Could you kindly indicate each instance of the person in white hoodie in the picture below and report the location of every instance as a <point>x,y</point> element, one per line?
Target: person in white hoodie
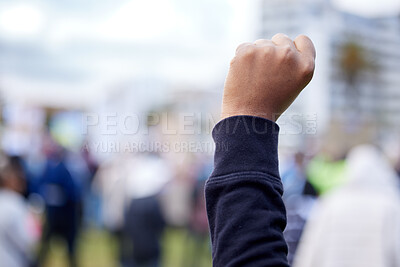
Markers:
<point>358,224</point>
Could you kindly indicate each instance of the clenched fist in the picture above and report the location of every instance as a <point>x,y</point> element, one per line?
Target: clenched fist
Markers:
<point>266,76</point>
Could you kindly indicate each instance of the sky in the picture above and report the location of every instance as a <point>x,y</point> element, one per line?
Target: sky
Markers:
<point>70,50</point>
<point>78,46</point>
<point>370,8</point>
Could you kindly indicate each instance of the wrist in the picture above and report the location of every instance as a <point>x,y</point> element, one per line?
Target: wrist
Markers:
<point>246,143</point>
<point>272,116</point>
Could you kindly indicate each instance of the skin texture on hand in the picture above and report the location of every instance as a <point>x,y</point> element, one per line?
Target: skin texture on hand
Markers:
<point>266,76</point>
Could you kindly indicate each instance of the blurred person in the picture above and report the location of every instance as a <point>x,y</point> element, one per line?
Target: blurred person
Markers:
<point>109,183</point>
<point>17,224</point>
<point>198,221</point>
<point>177,195</point>
<point>358,224</point>
<point>397,167</point>
<point>244,193</point>
<point>298,210</point>
<point>198,241</point>
<point>325,172</point>
<point>91,199</point>
<point>299,197</point>
<point>60,193</point>
<point>294,178</point>
<point>78,167</point>
<point>34,164</point>
<point>144,219</point>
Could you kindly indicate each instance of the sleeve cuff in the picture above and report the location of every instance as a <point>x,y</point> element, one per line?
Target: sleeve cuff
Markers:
<point>246,143</point>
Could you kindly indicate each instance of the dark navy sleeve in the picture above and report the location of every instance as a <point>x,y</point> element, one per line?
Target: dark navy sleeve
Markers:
<point>244,195</point>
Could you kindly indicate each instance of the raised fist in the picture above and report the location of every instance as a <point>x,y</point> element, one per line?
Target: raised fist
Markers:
<point>266,76</point>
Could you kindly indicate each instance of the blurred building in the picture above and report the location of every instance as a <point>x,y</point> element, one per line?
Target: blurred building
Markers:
<point>356,81</point>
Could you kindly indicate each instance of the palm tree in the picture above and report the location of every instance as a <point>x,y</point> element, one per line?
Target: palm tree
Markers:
<point>353,62</point>
<point>356,68</point>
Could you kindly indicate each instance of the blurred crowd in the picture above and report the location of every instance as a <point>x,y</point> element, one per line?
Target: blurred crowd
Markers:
<point>342,210</point>
<point>56,192</point>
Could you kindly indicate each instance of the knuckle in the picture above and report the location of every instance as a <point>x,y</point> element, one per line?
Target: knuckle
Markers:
<point>247,52</point>
<point>233,61</point>
<point>242,46</point>
<point>303,37</point>
<point>280,35</point>
<point>308,67</point>
<point>286,52</point>
<point>262,42</point>
<point>267,50</point>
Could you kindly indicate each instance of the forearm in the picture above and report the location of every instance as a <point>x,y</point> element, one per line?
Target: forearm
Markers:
<point>245,210</point>
<point>244,204</point>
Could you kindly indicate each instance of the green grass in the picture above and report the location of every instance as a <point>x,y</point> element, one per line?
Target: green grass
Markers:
<point>99,249</point>
<point>180,250</point>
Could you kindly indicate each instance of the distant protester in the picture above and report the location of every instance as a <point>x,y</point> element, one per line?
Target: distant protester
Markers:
<point>61,197</point>
<point>299,198</point>
<point>359,224</point>
<point>17,228</point>
<point>144,220</point>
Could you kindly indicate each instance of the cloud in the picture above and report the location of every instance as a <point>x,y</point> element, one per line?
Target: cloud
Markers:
<point>370,8</point>
<point>141,20</point>
<point>22,20</point>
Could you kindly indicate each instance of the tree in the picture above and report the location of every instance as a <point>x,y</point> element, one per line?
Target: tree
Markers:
<point>353,62</point>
